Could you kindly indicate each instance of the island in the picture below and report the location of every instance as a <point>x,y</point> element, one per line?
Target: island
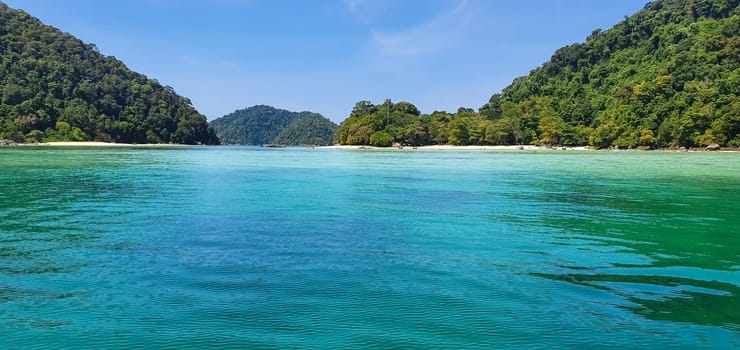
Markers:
<point>267,125</point>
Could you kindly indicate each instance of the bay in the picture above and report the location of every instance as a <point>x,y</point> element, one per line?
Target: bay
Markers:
<point>239,247</point>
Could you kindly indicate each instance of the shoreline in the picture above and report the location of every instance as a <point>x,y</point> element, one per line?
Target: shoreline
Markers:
<point>530,148</point>
<point>461,148</point>
<point>515,148</point>
<point>93,144</point>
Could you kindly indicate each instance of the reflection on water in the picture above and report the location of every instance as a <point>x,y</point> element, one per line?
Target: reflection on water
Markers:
<point>668,298</point>
<point>672,240</point>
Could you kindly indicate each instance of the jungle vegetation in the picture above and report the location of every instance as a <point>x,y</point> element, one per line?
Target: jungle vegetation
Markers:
<point>261,124</point>
<point>54,87</point>
<point>668,76</point>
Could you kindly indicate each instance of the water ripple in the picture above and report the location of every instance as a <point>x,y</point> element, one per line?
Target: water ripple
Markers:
<point>298,248</point>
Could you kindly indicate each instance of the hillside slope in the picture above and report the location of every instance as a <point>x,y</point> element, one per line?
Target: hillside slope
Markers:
<point>262,124</point>
<point>55,87</point>
<point>308,129</point>
<point>667,76</point>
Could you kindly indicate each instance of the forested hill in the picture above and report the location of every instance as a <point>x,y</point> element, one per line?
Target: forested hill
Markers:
<point>55,87</point>
<point>261,124</point>
<point>307,129</point>
<point>666,76</point>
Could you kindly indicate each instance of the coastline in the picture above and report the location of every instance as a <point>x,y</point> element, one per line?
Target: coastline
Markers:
<point>512,148</point>
<point>461,148</point>
<point>92,144</point>
<point>529,148</point>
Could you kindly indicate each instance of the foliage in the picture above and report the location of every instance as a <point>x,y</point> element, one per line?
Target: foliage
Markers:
<point>381,139</point>
<point>667,76</point>
<point>48,77</point>
<point>309,129</point>
<point>389,123</point>
<point>261,124</point>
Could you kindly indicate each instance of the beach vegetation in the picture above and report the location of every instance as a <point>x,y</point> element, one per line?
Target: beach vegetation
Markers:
<point>668,76</point>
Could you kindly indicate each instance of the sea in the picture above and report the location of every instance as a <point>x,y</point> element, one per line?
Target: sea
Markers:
<point>301,248</point>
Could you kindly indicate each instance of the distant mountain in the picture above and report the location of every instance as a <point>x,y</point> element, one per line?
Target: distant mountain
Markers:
<point>55,87</point>
<point>262,124</point>
<point>308,129</point>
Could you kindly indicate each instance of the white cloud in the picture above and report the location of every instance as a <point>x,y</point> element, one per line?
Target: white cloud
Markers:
<point>365,11</point>
<point>353,5</point>
<point>439,33</point>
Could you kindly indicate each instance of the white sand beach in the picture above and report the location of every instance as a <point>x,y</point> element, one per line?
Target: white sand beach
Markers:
<point>462,148</point>
<point>95,144</point>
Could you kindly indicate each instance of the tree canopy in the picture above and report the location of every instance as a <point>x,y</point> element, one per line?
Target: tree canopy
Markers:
<point>389,123</point>
<point>55,87</point>
<point>262,124</point>
<point>667,76</point>
<point>307,129</point>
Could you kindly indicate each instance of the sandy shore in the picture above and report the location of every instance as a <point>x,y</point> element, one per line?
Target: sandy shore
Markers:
<point>94,144</point>
<point>462,148</point>
<point>520,148</point>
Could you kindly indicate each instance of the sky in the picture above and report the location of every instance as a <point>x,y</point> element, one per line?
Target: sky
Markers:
<point>325,55</point>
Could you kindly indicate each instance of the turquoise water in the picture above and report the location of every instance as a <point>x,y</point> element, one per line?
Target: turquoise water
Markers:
<point>315,248</point>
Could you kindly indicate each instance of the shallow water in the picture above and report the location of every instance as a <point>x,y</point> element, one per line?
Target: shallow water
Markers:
<point>316,248</point>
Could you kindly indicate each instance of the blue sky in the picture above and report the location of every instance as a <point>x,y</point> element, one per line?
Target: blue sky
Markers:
<point>325,55</point>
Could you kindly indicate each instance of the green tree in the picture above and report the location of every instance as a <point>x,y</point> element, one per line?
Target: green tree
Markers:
<point>647,138</point>
<point>551,128</point>
<point>381,139</point>
<point>35,136</point>
<point>401,122</point>
<point>707,138</point>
